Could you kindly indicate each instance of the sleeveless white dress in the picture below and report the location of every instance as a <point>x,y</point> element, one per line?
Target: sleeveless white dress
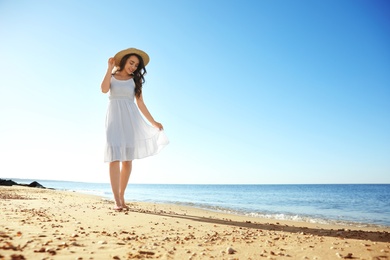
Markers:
<point>129,136</point>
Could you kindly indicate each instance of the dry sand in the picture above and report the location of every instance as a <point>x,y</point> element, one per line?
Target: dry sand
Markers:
<point>49,224</point>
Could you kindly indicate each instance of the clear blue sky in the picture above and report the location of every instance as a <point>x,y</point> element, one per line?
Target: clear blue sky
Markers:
<point>248,91</point>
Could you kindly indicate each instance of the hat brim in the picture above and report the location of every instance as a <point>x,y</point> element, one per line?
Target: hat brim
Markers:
<point>118,57</point>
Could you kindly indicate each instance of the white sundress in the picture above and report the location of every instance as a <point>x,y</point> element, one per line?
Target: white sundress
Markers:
<point>128,135</point>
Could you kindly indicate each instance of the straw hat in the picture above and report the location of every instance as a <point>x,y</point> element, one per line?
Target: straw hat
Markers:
<point>118,57</point>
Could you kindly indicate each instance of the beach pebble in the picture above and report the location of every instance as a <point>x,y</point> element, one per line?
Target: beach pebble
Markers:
<point>41,250</point>
<point>63,244</point>
<point>16,257</point>
<point>144,252</point>
<point>102,242</point>
<point>51,251</point>
<point>230,250</point>
<point>47,242</point>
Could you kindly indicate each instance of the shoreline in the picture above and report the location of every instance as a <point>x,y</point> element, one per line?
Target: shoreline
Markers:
<point>259,215</point>
<point>337,218</point>
<point>62,224</point>
<point>294,219</point>
<point>343,216</point>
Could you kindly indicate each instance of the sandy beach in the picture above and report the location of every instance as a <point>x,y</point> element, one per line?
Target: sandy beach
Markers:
<point>51,224</point>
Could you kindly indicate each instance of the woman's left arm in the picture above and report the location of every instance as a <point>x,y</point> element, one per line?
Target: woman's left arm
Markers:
<point>142,107</point>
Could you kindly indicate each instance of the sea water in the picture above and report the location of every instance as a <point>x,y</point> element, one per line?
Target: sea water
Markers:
<point>345,204</point>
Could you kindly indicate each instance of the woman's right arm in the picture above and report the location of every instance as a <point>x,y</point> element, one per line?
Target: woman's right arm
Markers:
<point>107,78</point>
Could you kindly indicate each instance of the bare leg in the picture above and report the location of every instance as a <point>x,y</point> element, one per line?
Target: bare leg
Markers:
<point>124,179</point>
<point>115,182</point>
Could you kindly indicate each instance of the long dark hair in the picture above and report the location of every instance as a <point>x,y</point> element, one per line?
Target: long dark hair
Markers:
<point>138,74</point>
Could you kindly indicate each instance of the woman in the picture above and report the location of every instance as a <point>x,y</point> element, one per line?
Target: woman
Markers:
<point>128,135</point>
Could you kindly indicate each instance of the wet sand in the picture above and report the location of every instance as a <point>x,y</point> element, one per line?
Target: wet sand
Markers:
<point>50,224</point>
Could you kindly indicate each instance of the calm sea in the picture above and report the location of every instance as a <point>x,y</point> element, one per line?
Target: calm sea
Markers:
<point>346,204</point>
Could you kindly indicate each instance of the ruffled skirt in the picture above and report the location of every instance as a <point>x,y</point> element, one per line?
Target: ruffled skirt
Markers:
<point>128,135</point>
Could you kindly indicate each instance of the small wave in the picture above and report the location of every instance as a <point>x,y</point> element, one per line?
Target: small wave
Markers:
<point>280,216</point>
<point>310,219</point>
<point>276,216</point>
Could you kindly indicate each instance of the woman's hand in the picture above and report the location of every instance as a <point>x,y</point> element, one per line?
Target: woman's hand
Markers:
<point>106,83</point>
<point>111,63</point>
<point>158,125</point>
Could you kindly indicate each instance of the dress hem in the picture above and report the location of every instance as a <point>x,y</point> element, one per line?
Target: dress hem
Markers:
<point>136,158</point>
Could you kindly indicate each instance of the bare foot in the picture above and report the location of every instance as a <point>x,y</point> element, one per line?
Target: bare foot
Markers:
<point>123,204</point>
<point>117,208</point>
